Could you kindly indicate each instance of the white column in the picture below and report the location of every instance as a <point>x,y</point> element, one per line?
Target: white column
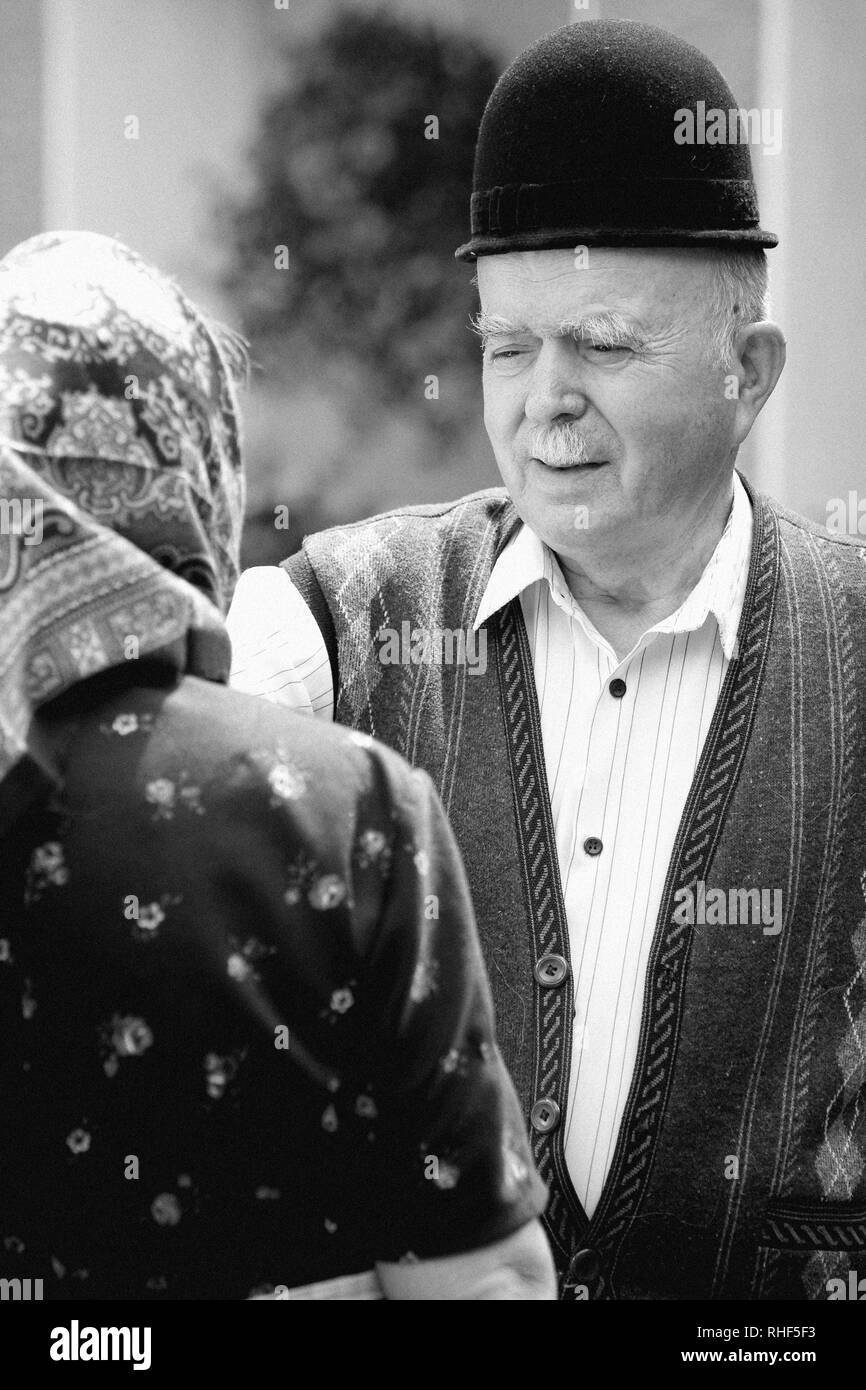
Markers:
<point>20,106</point>
<point>61,20</point>
<point>813,193</point>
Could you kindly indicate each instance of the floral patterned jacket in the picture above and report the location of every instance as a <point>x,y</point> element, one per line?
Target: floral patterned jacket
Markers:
<point>246,1034</point>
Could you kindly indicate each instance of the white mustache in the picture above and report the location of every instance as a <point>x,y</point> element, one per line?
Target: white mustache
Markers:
<point>560,446</point>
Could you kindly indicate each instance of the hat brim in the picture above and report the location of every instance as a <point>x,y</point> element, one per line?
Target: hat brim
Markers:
<point>572,237</point>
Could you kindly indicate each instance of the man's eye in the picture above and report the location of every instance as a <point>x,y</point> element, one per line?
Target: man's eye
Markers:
<point>608,347</point>
<point>505,356</point>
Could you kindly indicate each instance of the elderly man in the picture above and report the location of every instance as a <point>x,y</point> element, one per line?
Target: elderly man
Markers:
<point>653,776</point>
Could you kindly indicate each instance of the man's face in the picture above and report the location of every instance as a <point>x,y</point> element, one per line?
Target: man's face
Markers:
<point>607,419</point>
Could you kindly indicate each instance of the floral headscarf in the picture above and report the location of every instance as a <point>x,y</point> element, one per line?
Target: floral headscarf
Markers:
<point>121,490</point>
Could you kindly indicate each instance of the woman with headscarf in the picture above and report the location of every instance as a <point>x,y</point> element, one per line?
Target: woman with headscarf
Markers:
<point>245,1037</point>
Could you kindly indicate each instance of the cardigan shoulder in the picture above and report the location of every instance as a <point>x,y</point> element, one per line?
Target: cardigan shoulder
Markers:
<point>811,548</point>
<point>411,534</point>
<point>491,501</point>
<point>410,558</point>
<point>794,523</point>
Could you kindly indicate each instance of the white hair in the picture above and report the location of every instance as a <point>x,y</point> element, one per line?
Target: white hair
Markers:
<point>739,295</point>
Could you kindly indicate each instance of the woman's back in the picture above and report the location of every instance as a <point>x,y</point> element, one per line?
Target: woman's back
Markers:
<point>197,1048</point>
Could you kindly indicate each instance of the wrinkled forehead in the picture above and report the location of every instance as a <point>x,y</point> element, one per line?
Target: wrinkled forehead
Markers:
<point>69,279</point>
<point>649,284</point>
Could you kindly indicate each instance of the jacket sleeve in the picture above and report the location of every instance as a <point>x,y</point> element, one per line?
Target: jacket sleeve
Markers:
<point>458,1168</point>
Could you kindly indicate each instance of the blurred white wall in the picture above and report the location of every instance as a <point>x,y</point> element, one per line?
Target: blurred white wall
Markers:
<point>148,105</point>
<point>20,121</point>
<point>814,196</point>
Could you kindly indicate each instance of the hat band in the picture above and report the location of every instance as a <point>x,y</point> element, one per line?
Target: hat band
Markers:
<point>687,204</point>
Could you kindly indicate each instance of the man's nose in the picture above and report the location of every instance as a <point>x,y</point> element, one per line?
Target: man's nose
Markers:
<point>556,389</point>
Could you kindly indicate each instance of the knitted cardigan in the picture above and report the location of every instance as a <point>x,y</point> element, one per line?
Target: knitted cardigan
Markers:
<point>740,1167</point>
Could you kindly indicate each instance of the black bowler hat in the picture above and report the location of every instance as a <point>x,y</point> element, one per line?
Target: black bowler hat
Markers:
<point>577,146</point>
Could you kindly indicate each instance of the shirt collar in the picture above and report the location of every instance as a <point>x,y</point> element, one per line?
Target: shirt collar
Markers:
<point>720,591</point>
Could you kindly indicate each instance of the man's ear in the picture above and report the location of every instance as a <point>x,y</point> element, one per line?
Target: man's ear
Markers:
<point>759,350</point>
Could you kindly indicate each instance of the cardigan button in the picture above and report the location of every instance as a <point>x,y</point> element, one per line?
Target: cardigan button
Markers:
<point>551,970</point>
<point>584,1267</point>
<point>544,1116</point>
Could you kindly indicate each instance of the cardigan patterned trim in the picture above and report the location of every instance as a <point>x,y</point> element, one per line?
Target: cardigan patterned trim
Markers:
<point>540,870</point>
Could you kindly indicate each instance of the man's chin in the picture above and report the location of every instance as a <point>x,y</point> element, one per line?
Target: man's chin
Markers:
<point>566,523</point>
<point>563,504</point>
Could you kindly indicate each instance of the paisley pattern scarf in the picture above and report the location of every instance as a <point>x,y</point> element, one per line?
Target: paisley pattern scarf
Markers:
<point>121,488</point>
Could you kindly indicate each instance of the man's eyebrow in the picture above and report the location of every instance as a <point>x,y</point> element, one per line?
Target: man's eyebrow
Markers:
<point>494,325</point>
<point>608,328</point>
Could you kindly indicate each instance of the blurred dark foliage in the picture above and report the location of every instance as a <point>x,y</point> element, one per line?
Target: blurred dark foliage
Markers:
<point>371,212</point>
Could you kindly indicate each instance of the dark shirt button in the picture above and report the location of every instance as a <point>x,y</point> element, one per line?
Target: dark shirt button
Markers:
<point>551,970</point>
<point>584,1267</point>
<point>593,845</point>
<point>617,688</point>
<point>544,1116</point>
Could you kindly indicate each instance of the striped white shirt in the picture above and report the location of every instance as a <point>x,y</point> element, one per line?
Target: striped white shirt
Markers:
<point>277,648</point>
<point>621,739</point>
